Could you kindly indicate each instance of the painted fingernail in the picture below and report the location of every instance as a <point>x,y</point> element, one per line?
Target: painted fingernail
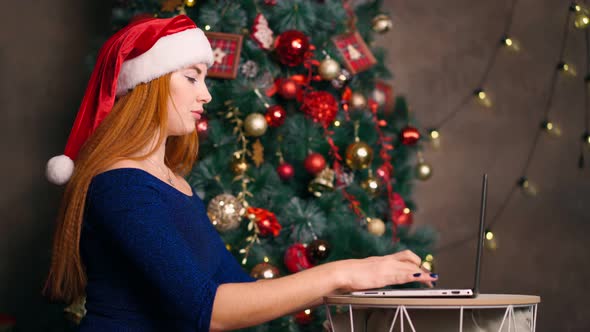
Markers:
<point>417,274</point>
<point>434,275</point>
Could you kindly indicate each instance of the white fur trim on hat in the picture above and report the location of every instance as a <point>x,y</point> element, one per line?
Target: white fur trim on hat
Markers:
<point>168,54</point>
<point>59,169</point>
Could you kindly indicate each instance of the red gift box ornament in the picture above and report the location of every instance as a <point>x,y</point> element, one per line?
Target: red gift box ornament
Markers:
<point>296,258</point>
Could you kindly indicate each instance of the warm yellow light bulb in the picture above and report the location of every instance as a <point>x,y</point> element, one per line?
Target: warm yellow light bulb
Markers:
<point>207,27</point>
<point>266,260</point>
<point>489,235</point>
<point>511,44</point>
<point>551,128</point>
<point>336,123</point>
<point>434,134</point>
<point>527,187</point>
<point>482,98</point>
<point>429,258</point>
<point>567,69</point>
<point>406,210</point>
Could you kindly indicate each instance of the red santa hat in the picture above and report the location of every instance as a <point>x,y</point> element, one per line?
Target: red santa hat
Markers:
<point>140,52</point>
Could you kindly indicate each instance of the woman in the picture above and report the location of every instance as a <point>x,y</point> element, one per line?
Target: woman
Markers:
<point>132,236</point>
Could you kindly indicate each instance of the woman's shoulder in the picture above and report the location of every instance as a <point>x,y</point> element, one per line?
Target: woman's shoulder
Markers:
<point>123,174</point>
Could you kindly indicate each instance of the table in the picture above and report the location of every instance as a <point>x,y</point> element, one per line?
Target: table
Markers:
<point>483,301</point>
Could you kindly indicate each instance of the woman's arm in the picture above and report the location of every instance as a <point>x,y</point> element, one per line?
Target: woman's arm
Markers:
<point>239,305</point>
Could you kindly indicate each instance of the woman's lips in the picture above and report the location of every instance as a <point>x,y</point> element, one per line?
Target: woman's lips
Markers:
<point>197,114</point>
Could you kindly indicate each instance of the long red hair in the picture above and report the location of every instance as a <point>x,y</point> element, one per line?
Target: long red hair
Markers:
<point>129,127</point>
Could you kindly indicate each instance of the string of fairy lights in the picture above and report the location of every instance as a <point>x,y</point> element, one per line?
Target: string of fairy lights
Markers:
<point>577,14</point>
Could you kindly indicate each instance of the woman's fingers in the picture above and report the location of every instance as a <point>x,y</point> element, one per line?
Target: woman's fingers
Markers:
<point>408,256</point>
<point>425,278</point>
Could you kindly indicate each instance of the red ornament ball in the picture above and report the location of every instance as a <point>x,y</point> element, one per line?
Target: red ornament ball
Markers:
<point>291,46</point>
<point>296,258</point>
<point>314,163</point>
<point>401,218</point>
<point>410,135</point>
<point>275,115</point>
<point>321,106</point>
<point>270,2</point>
<point>304,317</point>
<point>286,171</point>
<point>288,88</point>
<point>203,126</point>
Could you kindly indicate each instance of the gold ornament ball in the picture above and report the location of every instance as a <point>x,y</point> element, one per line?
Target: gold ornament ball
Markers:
<point>371,185</point>
<point>375,226</point>
<point>358,101</point>
<point>382,23</point>
<point>423,171</point>
<point>225,212</point>
<point>190,3</point>
<point>264,271</point>
<point>359,155</point>
<point>239,166</point>
<point>329,69</point>
<point>255,124</point>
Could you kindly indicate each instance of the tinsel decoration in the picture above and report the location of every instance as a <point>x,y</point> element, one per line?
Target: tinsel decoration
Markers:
<point>265,221</point>
<point>291,47</point>
<point>321,106</point>
<point>225,212</point>
<point>385,171</point>
<point>296,258</point>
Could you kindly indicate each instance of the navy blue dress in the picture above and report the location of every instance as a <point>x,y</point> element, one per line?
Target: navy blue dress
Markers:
<point>152,257</point>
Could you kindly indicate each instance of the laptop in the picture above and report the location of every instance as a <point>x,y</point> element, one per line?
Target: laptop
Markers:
<point>438,292</point>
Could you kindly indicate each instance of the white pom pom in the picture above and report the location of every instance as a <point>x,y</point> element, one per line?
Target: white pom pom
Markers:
<point>59,169</point>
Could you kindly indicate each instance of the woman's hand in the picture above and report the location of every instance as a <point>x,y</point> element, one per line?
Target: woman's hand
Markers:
<point>381,271</point>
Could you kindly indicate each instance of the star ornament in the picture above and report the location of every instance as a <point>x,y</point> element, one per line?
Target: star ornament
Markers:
<point>218,55</point>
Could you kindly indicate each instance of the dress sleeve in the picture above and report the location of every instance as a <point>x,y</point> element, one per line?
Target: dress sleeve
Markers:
<point>233,272</point>
<point>136,219</point>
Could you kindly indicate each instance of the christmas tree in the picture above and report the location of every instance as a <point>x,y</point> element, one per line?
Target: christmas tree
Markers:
<point>305,154</point>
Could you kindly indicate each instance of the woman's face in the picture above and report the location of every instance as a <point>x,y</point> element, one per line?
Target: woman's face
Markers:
<point>188,94</point>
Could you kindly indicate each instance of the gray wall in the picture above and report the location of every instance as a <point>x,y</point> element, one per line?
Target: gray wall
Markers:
<point>437,52</point>
<point>42,79</point>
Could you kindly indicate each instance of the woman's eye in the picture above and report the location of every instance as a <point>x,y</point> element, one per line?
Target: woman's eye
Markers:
<point>191,79</point>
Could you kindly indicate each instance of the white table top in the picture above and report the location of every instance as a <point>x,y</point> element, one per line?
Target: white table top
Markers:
<point>480,300</point>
